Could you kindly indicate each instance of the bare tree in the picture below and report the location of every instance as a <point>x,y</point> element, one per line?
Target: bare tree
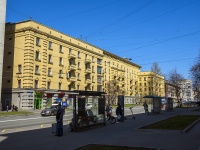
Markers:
<point>113,90</point>
<point>156,69</point>
<point>175,78</point>
<point>195,73</point>
<point>156,80</point>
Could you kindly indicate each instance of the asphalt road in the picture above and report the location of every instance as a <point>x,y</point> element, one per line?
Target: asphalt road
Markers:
<point>16,122</point>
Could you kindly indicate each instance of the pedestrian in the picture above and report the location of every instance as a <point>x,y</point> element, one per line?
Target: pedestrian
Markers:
<point>146,107</point>
<point>59,120</point>
<point>7,108</point>
<point>108,110</point>
<point>118,112</point>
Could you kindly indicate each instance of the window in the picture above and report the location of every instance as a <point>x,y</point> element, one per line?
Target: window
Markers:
<point>98,61</point>
<point>79,65</point>
<point>49,72</point>
<point>60,50</point>
<point>86,56</point>
<point>78,76</point>
<point>92,58</point>
<point>50,45</point>
<point>60,61</point>
<point>93,69</point>
<point>36,69</point>
<point>37,55</point>
<point>50,59</point>
<point>99,79</point>
<point>92,78</point>
<point>60,73</point>
<point>36,84</point>
<point>105,63</point>
<point>19,68</point>
<point>37,41</point>
<point>59,86</point>
<point>70,50</point>
<point>19,84</point>
<point>48,85</point>
<point>77,87</point>
<point>99,70</point>
<point>144,78</point>
<point>79,55</point>
<point>99,88</point>
<point>145,84</point>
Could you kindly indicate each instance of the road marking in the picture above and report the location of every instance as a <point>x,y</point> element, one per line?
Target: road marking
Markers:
<point>30,119</point>
<point>3,130</point>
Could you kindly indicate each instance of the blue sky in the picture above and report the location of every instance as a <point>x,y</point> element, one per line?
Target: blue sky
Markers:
<point>147,31</point>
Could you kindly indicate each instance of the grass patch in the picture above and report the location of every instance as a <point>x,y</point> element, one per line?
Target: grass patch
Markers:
<point>15,113</point>
<point>179,122</point>
<point>111,147</point>
<point>125,105</point>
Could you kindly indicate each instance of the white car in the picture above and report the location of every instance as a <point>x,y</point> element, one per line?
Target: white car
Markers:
<point>88,106</point>
<point>55,103</point>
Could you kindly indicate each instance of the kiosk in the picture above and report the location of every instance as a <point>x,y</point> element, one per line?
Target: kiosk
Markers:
<point>155,102</point>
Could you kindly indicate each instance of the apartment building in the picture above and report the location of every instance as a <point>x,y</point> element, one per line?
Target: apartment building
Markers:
<point>186,90</point>
<point>39,59</point>
<point>2,29</point>
<point>170,90</point>
<point>150,83</point>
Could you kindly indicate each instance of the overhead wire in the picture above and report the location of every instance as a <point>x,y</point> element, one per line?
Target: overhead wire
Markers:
<point>160,15</point>
<point>121,19</point>
<point>81,12</point>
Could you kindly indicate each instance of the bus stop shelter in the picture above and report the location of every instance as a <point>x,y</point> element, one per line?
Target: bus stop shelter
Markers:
<point>155,102</point>
<point>169,104</point>
<point>88,109</point>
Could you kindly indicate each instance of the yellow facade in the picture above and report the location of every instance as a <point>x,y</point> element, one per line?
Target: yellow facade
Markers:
<point>150,83</point>
<point>38,57</point>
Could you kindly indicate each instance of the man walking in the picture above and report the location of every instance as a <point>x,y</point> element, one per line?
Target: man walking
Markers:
<point>59,120</point>
<point>118,112</point>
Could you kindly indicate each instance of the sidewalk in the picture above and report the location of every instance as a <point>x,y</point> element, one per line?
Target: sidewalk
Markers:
<point>124,134</point>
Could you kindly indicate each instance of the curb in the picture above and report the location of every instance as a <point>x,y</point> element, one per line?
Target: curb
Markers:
<point>190,126</point>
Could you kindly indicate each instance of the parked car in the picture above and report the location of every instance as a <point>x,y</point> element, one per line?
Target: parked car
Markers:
<point>51,111</point>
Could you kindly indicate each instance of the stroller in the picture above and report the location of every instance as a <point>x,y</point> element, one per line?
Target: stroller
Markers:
<point>15,108</point>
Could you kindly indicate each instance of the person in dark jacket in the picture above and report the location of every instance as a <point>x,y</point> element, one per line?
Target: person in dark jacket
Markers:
<point>59,120</point>
<point>118,113</point>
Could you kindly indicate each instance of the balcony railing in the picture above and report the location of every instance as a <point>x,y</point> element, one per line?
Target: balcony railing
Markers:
<point>70,56</point>
<point>88,81</point>
<point>72,67</point>
<point>87,60</point>
<point>88,70</point>
<point>72,79</point>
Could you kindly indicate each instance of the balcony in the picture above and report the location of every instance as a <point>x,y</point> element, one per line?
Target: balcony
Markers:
<point>88,70</point>
<point>71,56</point>
<point>99,74</point>
<point>72,79</point>
<point>99,82</point>
<point>72,67</point>
<point>88,81</point>
<point>87,60</point>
